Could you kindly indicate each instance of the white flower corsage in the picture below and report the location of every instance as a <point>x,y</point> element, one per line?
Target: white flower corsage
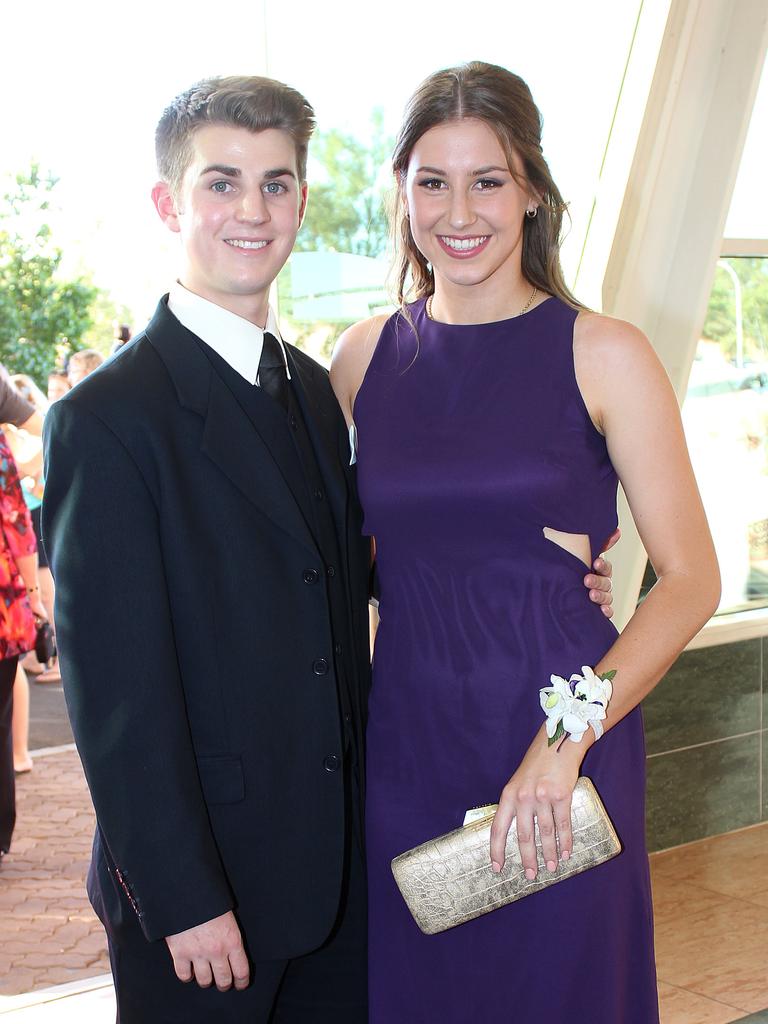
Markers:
<point>574,705</point>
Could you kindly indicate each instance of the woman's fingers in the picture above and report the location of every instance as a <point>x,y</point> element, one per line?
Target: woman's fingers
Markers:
<point>562,814</point>
<point>546,822</point>
<point>599,581</point>
<point>526,840</point>
<point>499,830</point>
<point>550,815</point>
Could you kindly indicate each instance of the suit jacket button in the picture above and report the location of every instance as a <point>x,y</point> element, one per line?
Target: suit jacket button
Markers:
<point>331,570</point>
<point>320,667</point>
<point>332,763</point>
<point>310,576</point>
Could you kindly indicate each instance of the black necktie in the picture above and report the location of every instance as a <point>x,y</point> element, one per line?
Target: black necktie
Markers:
<point>273,378</point>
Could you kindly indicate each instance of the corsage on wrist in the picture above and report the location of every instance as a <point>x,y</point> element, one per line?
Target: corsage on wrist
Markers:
<point>574,705</point>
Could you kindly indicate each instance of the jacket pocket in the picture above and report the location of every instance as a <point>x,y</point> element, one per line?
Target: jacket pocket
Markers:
<point>222,779</point>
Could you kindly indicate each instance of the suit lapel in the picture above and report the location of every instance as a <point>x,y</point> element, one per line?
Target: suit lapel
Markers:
<point>230,438</point>
<point>323,432</point>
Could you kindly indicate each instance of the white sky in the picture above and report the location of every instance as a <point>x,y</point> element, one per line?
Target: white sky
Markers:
<point>84,83</point>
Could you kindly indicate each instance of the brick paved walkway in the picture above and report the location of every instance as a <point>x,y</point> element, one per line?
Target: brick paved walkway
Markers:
<point>48,931</point>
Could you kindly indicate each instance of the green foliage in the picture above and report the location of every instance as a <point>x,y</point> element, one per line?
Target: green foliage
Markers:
<point>346,211</point>
<point>720,324</point>
<point>106,314</point>
<point>42,313</point>
<point>346,214</point>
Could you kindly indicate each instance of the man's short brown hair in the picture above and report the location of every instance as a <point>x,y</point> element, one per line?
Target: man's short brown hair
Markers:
<point>250,102</point>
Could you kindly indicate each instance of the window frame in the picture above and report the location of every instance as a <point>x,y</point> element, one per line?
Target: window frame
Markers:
<point>752,623</point>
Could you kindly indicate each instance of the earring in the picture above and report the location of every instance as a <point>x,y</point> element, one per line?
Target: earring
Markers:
<point>531,212</point>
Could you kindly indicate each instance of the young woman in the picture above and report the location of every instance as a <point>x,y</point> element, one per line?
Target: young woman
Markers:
<point>494,417</point>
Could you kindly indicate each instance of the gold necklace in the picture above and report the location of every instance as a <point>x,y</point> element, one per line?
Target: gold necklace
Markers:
<point>526,307</point>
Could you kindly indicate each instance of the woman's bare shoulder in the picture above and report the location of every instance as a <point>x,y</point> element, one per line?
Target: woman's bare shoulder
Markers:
<point>352,355</point>
<point>613,361</point>
<point>605,347</point>
<point>602,336</point>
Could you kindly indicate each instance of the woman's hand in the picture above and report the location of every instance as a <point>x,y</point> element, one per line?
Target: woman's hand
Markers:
<point>541,788</point>
<point>600,581</point>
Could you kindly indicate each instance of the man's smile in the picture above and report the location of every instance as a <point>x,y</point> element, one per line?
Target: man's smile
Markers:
<point>246,243</point>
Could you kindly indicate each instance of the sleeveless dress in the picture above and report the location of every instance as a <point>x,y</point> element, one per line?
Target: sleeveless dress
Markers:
<point>471,440</point>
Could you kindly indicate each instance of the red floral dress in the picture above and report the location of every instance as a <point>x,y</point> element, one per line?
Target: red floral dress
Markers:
<point>17,538</point>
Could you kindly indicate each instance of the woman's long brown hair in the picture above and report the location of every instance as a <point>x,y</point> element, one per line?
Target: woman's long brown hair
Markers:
<point>503,101</point>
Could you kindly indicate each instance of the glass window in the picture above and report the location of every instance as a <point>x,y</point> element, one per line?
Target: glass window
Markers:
<point>725,411</point>
<point>748,214</point>
<point>725,414</point>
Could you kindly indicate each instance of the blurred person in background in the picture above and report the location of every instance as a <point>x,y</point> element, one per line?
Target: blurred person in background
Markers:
<point>22,759</point>
<point>28,455</point>
<point>19,607</point>
<point>18,580</point>
<point>123,335</point>
<point>82,363</point>
<point>27,388</point>
<point>15,409</point>
<point>58,385</point>
<point>26,449</point>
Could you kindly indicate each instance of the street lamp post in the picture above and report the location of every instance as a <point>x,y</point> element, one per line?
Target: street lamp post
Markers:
<point>739,320</point>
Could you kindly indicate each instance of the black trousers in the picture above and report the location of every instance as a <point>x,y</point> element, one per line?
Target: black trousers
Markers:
<point>327,986</point>
<point>7,778</point>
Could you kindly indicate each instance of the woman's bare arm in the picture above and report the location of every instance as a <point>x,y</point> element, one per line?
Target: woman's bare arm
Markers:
<point>631,401</point>
<point>351,357</point>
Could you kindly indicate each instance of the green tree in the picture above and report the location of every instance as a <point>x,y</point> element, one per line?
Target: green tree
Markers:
<point>42,312</point>
<point>720,323</point>
<point>346,211</point>
<point>346,214</point>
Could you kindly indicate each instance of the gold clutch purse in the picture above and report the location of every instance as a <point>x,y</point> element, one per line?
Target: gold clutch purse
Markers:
<point>449,879</point>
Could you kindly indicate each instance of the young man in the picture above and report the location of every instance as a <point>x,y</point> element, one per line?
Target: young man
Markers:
<point>204,533</point>
<point>207,547</point>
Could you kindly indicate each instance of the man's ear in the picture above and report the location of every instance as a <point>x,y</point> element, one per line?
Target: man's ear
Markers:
<point>303,204</point>
<point>165,205</point>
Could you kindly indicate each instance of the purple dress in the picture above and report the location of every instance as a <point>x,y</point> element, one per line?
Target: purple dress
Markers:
<point>471,440</point>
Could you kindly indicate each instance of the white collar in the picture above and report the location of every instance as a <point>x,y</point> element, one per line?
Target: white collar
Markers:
<point>235,339</point>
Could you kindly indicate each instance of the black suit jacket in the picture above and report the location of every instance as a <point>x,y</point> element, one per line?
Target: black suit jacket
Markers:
<point>188,626</point>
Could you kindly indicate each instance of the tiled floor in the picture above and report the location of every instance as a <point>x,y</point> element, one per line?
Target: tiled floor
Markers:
<point>711,907</point>
<point>710,900</point>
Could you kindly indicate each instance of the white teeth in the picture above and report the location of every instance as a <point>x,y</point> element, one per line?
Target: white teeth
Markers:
<point>242,243</point>
<point>463,243</point>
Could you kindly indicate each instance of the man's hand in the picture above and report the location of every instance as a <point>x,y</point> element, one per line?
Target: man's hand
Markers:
<point>600,581</point>
<point>211,952</point>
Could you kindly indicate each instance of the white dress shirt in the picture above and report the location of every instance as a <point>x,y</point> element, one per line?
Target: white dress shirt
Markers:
<point>235,339</point>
